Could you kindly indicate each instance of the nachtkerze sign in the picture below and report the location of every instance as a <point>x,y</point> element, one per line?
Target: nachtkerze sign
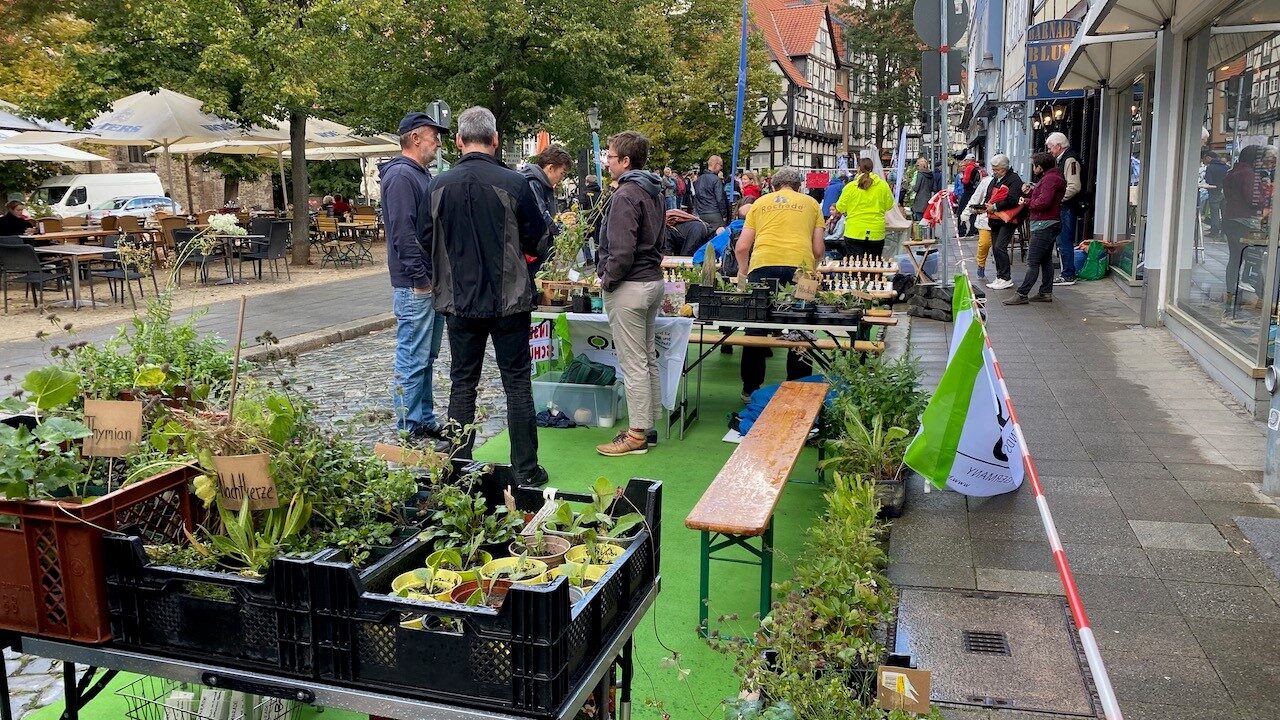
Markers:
<point>1047,46</point>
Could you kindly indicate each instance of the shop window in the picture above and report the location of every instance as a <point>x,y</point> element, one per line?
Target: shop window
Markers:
<point>1223,265</point>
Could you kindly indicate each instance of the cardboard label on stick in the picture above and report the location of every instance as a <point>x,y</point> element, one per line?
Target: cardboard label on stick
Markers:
<point>116,426</point>
<point>903,689</point>
<point>246,477</point>
<point>408,457</point>
<point>807,288</point>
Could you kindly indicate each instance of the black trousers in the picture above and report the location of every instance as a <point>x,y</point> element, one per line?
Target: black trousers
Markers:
<point>1001,236</point>
<point>858,248</point>
<point>1040,260</point>
<point>467,340</point>
<point>753,358</point>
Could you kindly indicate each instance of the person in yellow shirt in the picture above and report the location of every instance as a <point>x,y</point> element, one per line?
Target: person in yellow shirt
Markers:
<point>864,202</point>
<point>782,234</point>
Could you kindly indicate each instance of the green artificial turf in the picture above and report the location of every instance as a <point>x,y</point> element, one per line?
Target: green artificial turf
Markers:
<point>685,467</point>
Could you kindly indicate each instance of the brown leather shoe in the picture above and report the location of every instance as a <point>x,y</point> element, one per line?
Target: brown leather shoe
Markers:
<point>625,443</point>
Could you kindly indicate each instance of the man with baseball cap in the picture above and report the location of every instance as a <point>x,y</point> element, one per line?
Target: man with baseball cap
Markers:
<point>419,328</point>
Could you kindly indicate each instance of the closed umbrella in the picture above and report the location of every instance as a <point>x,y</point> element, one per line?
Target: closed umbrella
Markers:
<point>42,153</point>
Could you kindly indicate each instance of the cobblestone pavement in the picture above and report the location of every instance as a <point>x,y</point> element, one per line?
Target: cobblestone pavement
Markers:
<point>351,386</point>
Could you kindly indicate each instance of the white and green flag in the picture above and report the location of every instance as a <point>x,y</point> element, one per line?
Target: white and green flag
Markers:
<point>966,440</point>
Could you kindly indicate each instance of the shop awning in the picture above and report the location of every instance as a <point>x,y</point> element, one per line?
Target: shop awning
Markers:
<point>1229,43</point>
<point>1113,17</point>
<point>1094,60</point>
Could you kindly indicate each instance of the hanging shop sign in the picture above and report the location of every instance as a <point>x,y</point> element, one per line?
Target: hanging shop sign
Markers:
<point>1047,45</point>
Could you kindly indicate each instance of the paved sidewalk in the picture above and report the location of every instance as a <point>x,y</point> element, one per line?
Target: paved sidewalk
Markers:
<point>288,313</point>
<point>1145,463</point>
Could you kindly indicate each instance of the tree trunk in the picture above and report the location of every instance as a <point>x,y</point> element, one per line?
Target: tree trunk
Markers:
<point>301,188</point>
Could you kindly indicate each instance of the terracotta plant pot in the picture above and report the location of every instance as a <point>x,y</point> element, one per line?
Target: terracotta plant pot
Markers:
<point>495,590</point>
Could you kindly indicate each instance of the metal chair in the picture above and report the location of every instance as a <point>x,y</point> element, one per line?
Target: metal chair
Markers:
<point>22,260</point>
<point>183,238</point>
<point>271,249</point>
<point>124,273</point>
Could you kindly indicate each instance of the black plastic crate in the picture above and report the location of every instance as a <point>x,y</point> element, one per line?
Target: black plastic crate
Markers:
<point>222,617</point>
<point>524,657</point>
<point>752,306</point>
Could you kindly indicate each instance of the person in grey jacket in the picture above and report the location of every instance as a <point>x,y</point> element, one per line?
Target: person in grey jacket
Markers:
<point>709,199</point>
<point>922,188</point>
<point>630,271</point>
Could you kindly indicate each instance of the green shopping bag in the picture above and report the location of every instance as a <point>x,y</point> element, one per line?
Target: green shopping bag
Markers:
<point>1096,263</point>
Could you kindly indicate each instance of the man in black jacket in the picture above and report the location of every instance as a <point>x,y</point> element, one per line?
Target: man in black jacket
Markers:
<point>484,222</point>
<point>709,200</point>
<point>630,271</point>
<point>418,327</point>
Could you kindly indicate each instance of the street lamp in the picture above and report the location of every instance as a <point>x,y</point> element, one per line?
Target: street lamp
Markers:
<point>988,75</point>
<point>593,122</point>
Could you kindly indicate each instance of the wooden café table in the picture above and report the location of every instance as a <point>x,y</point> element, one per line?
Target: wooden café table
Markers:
<point>71,236</point>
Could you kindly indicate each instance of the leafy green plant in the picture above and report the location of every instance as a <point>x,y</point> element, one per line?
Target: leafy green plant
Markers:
<point>247,542</point>
<point>874,386</point>
<point>868,449</point>
<point>463,521</point>
<point>43,463</point>
<point>43,390</point>
<point>596,517</point>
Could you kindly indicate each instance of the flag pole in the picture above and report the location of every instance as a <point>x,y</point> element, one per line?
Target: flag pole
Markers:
<point>738,108</point>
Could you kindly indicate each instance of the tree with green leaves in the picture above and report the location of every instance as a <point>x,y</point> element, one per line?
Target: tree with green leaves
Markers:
<point>688,114</point>
<point>885,53</point>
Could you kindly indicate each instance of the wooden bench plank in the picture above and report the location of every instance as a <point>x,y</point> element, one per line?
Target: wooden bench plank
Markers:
<point>862,346</point>
<point>742,498</point>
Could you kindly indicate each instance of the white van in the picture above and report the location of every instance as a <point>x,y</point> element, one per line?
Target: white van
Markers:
<point>71,195</point>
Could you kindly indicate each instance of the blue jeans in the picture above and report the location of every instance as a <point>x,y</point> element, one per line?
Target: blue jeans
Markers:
<point>671,203</point>
<point>1067,242</point>
<point>419,331</point>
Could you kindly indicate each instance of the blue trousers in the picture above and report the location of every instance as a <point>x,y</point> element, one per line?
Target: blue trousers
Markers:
<point>419,332</point>
<point>1067,243</point>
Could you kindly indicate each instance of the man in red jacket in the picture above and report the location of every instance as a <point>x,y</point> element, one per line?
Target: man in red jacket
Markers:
<point>1045,204</point>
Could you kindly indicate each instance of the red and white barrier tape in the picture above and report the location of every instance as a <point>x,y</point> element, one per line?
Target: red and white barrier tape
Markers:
<point>1101,679</point>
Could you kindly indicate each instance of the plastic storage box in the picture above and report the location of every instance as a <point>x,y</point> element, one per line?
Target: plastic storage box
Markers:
<point>600,405</point>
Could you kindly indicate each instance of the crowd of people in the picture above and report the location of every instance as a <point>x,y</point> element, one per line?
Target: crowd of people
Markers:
<point>463,249</point>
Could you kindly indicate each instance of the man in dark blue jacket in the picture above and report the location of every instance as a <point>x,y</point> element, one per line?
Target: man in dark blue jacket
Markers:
<point>419,329</point>
<point>485,221</point>
<point>709,199</point>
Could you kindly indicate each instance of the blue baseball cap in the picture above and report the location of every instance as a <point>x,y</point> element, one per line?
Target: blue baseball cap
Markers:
<point>415,120</point>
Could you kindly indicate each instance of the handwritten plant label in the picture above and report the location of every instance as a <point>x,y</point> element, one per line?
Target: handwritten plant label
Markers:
<point>246,477</point>
<point>807,288</point>
<point>903,689</point>
<point>116,426</point>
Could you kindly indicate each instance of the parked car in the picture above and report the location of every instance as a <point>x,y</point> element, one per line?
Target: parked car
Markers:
<point>69,195</point>
<point>142,206</point>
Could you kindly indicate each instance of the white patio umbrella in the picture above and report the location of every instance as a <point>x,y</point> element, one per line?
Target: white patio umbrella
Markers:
<point>42,153</point>
<point>326,140</point>
<point>11,120</point>
<point>165,118</point>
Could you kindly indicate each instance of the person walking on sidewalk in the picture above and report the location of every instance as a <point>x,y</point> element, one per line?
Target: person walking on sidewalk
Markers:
<point>1215,175</point>
<point>782,234</point>
<point>1069,164</point>
<point>865,201</point>
<point>419,329</point>
<point>1002,195</point>
<point>709,200</point>
<point>1045,204</point>
<point>484,221</point>
<point>630,272</point>
<point>921,189</point>
<point>975,214</point>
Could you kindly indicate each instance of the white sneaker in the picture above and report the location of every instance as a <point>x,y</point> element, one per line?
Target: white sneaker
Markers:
<point>1000,284</point>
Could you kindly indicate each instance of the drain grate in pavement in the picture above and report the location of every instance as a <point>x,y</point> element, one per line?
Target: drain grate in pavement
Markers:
<point>1031,662</point>
<point>986,642</point>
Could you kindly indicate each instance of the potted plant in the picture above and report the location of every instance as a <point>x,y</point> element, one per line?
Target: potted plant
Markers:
<point>580,574</point>
<point>452,558</point>
<point>597,517</point>
<point>873,451</point>
<point>463,521</point>
<point>520,569</point>
<point>594,552</point>
<point>426,584</point>
<point>549,549</point>
<point>485,591</point>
